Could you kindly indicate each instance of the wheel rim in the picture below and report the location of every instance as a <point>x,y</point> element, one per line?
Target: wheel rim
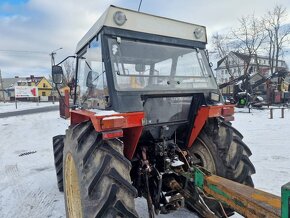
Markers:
<point>72,191</point>
<point>201,151</point>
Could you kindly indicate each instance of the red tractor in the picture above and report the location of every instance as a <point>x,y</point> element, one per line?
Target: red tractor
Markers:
<point>147,109</point>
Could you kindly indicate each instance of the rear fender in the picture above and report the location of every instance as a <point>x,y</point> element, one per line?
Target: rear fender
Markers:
<point>128,126</point>
<point>206,112</point>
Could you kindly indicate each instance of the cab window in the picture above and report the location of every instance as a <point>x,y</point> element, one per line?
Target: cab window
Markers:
<point>92,82</point>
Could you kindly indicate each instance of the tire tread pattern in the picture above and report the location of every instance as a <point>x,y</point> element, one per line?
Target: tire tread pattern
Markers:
<point>58,145</point>
<point>100,164</point>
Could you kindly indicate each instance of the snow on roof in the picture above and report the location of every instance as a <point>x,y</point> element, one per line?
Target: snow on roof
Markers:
<point>141,22</point>
<point>243,56</point>
<point>9,82</point>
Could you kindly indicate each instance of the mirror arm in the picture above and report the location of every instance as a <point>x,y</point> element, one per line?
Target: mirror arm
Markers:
<point>72,56</point>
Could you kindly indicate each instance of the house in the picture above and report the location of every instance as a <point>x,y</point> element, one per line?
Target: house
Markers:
<point>8,87</point>
<point>43,85</point>
<point>236,64</point>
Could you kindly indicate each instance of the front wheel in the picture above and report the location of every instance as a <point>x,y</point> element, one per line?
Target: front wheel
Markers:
<point>96,176</point>
<point>219,149</point>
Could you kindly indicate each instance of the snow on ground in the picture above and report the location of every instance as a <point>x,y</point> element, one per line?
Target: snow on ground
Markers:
<point>269,140</point>
<point>21,105</point>
<point>28,183</point>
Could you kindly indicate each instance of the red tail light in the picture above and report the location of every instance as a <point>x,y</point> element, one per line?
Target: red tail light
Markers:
<point>112,134</point>
<point>113,122</point>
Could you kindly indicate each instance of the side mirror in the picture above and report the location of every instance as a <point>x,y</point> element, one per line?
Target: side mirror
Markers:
<point>57,74</point>
<point>89,81</point>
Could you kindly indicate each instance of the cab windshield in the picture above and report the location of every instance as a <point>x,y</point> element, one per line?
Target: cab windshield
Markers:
<point>147,66</point>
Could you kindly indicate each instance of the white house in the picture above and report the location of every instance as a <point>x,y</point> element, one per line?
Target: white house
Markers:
<point>235,64</point>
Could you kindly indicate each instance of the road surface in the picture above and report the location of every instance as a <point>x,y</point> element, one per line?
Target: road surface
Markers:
<point>29,111</point>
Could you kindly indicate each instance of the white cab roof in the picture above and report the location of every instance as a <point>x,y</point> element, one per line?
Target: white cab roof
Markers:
<point>146,23</point>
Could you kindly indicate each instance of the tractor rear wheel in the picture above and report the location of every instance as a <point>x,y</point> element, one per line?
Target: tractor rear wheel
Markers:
<point>220,149</point>
<point>58,156</point>
<point>96,175</point>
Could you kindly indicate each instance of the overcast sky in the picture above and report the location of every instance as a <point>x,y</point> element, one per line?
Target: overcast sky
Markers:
<point>45,25</point>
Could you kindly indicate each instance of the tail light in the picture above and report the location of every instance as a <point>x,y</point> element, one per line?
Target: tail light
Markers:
<point>112,134</point>
<point>112,122</point>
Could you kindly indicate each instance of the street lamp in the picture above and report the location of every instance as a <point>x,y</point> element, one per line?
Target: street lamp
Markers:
<point>52,55</point>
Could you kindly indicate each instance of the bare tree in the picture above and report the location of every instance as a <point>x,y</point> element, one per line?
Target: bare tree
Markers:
<point>223,45</point>
<point>69,71</point>
<point>278,34</point>
<point>222,48</point>
<point>250,35</point>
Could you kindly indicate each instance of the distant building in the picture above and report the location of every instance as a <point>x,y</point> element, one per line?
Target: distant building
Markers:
<point>8,87</point>
<point>235,63</point>
<point>43,85</point>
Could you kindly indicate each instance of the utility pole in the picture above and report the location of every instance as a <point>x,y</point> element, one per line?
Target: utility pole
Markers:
<point>2,87</point>
<point>52,64</point>
<point>139,5</point>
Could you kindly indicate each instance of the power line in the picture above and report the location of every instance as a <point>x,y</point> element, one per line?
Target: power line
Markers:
<point>23,51</point>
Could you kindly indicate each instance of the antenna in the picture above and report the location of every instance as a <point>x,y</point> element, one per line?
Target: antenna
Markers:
<point>139,5</point>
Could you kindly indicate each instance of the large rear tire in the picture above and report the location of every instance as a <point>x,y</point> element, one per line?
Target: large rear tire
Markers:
<point>220,149</point>
<point>96,175</point>
<point>58,142</point>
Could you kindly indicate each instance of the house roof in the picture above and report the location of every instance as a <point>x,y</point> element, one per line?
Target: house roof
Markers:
<point>9,82</point>
<point>35,79</point>
<point>40,79</point>
<point>220,61</point>
<point>244,57</point>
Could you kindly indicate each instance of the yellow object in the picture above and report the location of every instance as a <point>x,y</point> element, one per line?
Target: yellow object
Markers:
<point>284,86</point>
<point>63,89</point>
<point>134,83</point>
<point>44,87</point>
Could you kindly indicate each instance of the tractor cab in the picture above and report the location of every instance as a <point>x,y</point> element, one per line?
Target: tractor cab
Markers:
<point>129,61</point>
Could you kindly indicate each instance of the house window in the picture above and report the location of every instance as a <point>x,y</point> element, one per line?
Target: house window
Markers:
<point>43,94</point>
<point>44,85</point>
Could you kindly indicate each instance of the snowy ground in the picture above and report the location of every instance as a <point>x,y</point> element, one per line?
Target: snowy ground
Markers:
<point>21,105</point>
<point>28,184</point>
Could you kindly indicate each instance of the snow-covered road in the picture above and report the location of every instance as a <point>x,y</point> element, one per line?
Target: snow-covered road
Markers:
<point>28,184</point>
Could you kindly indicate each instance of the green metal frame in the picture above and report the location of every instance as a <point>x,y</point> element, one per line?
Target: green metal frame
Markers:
<point>285,193</point>
<point>245,200</point>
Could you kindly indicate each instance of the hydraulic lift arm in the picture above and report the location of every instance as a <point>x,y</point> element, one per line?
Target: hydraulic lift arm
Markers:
<point>247,201</point>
